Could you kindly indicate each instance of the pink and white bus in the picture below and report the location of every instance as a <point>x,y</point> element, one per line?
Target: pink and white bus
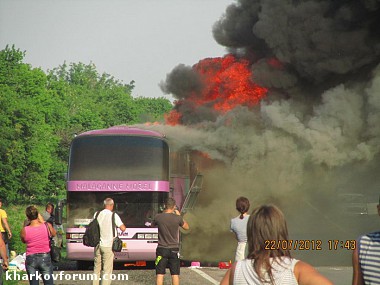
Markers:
<point>132,166</point>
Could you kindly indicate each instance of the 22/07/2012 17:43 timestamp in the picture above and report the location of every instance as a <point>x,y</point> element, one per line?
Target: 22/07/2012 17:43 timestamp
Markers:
<point>308,244</point>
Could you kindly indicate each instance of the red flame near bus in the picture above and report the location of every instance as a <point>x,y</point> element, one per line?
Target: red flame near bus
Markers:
<point>227,84</point>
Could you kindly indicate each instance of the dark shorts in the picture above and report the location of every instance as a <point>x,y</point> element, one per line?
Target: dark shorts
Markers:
<point>4,235</point>
<point>167,257</point>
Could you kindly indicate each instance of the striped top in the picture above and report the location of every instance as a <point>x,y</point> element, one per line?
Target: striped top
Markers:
<point>283,272</point>
<point>369,257</point>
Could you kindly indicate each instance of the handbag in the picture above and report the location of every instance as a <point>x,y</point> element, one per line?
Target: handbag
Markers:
<point>55,252</point>
<point>117,244</point>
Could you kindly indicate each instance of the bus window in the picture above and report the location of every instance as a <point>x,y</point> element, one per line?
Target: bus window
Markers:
<point>119,158</point>
<point>134,208</point>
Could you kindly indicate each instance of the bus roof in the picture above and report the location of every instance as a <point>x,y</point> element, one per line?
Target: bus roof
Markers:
<point>123,130</point>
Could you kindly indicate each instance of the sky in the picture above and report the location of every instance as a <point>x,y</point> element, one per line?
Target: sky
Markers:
<point>131,40</point>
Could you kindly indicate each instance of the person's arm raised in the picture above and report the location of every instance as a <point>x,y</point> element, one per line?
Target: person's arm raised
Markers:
<point>185,225</point>
<point>52,230</point>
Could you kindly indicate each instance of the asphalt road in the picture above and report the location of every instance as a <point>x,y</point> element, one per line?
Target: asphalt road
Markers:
<point>189,276</point>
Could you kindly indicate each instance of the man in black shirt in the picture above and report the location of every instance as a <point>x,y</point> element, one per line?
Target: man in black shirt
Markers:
<point>167,253</point>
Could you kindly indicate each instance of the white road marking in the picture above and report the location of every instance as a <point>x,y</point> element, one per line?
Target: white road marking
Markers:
<point>206,276</point>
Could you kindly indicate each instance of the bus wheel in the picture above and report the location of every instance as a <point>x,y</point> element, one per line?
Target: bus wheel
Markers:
<point>150,265</point>
<point>84,265</point>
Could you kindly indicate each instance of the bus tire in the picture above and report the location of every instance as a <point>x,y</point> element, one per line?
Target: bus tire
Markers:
<point>84,264</point>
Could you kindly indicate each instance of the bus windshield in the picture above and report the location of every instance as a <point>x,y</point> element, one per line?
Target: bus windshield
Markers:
<point>136,209</point>
<point>115,157</point>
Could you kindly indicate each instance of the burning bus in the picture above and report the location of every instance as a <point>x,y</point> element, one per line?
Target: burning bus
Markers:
<point>137,170</point>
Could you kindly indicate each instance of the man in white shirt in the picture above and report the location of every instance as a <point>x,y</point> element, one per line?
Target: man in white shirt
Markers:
<point>103,251</point>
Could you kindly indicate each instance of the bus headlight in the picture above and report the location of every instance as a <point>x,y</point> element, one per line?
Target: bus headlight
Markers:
<point>74,236</point>
<point>147,236</point>
<point>140,236</point>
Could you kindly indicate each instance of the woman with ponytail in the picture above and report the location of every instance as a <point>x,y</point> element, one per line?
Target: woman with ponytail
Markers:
<point>239,227</point>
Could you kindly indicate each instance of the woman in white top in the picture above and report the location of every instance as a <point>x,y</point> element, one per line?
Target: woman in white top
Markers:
<point>239,227</point>
<point>272,265</point>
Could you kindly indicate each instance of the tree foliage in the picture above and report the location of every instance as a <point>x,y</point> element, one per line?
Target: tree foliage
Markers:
<point>41,112</point>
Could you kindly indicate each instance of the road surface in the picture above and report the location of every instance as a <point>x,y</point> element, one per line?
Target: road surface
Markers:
<point>189,276</point>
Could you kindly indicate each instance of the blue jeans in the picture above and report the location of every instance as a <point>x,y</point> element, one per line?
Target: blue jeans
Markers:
<point>39,266</point>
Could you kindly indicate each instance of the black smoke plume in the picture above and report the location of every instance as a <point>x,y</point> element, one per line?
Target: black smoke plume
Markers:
<point>317,41</point>
<point>312,146</point>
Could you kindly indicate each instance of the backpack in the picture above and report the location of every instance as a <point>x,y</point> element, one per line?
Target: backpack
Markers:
<point>91,236</point>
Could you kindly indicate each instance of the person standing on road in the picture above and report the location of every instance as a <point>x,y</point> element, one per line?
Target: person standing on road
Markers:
<point>366,257</point>
<point>239,227</point>
<point>48,215</point>
<point>103,261</point>
<point>4,227</point>
<point>265,265</point>
<point>167,253</point>
<point>4,257</point>
<point>36,236</point>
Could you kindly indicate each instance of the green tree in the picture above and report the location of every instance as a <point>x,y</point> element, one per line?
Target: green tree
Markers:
<point>92,99</point>
<point>27,142</point>
<point>152,109</point>
<point>41,113</point>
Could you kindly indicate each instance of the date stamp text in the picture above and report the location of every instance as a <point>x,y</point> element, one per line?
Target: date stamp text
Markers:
<point>309,244</point>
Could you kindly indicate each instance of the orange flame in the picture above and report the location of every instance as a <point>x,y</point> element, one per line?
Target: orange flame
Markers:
<point>227,84</point>
<point>173,118</point>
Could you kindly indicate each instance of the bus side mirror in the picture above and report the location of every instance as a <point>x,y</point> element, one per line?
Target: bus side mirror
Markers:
<point>59,211</point>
